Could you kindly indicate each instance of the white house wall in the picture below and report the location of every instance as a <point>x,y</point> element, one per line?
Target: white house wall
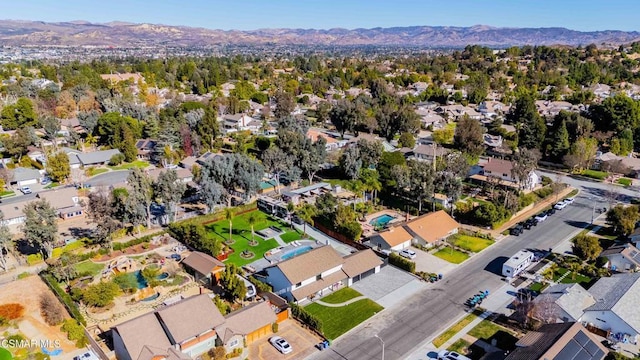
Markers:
<point>608,320</point>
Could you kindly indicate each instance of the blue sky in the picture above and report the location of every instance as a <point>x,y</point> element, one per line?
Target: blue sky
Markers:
<point>255,14</point>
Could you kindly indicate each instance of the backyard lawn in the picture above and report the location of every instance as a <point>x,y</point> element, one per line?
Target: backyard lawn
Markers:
<point>290,236</point>
<point>451,255</point>
<point>89,267</point>
<point>241,235</point>
<point>341,296</point>
<point>459,346</point>
<point>570,278</point>
<point>338,320</point>
<point>471,243</point>
<point>450,332</point>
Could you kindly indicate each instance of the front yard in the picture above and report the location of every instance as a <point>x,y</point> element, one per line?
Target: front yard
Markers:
<point>338,320</point>
<point>88,267</point>
<point>126,166</point>
<point>488,331</point>
<point>451,255</point>
<point>341,296</point>
<point>471,243</point>
<point>450,332</point>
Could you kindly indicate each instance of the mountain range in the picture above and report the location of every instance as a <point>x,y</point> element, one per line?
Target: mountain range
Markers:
<point>123,34</point>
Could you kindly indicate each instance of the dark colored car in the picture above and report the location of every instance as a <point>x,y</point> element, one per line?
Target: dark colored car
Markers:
<point>551,211</point>
<point>517,230</point>
<point>532,221</point>
<point>527,224</point>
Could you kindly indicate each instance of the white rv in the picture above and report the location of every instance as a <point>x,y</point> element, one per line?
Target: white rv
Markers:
<point>517,263</point>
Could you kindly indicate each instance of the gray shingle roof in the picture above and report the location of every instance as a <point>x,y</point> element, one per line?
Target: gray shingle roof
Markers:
<point>97,157</point>
<point>572,298</point>
<point>22,174</point>
<point>619,294</point>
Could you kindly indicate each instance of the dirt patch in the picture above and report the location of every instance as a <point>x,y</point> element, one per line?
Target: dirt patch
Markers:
<point>27,291</point>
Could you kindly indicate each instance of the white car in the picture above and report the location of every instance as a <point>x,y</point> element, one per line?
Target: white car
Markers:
<point>281,344</point>
<point>451,355</point>
<point>409,254</point>
<point>541,217</point>
<point>561,205</point>
<point>568,201</point>
<point>25,190</point>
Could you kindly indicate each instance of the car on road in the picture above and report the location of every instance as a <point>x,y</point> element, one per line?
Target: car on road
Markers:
<point>175,257</point>
<point>530,222</point>
<point>409,254</point>
<point>45,180</point>
<point>541,217</point>
<point>568,201</point>
<point>281,344</point>
<point>551,211</point>
<point>25,190</point>
<point>561,205</point>
<point>517,230</point>
<point>451,355</point>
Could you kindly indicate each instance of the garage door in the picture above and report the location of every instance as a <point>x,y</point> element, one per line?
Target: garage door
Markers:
<point>364,275</point>
<point>258,334</point>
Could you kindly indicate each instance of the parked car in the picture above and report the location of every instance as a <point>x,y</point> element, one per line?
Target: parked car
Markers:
<point>569,201</point>
<point>89,355</point>
<point>45,180</point>
<point>551,211</point>
<point>451,355</point>
<point>175,257</point>
<point>561,205</point>
<point>25,190</point>
<point>541,217</point>
<point>527,224</point>
<point>409,254</point>
<point>532,221</point>
<point>517,230</point>
<point>281,344</point>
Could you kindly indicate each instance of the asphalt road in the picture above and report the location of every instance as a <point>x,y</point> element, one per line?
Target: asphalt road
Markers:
<point>404,328</point>
<point>108,178</point>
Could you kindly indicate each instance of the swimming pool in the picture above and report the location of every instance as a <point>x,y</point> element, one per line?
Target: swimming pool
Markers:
<point>296,252</point>
<point>381,221</point>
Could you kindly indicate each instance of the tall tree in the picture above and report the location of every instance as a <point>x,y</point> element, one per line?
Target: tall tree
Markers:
<point>229,214</point>
<point>51,127</point>
<point>469,136</point>
<point>524,162</point>
<point>101,212</point>
<point>253,218</point>
<point>581,153</point>
<point>18,115</point>
<point>370,152</point>
<point>40,227</point>
<point>284,104</point>
<point>141,192</point>
<point>306,213</point>
<point>351,162</point>
<point>531,126</point>
<point>276,162</point>
<point>208,128</point>
<point>312,157</point>
<point>5,242</point>
<point>559,141</point>
<point>58,167</point>
<point>168,190</point>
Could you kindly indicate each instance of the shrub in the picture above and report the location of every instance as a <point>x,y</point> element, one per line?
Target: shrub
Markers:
<point>274,327</point>
<point>402,263</point>
<point>65,298</point>
<point>352,230</point>
<point>544,192</point>
<point>260,286</point>
<point>116,159</point>
<point>126,282</point>
<point>546,180</point>
<point>24,275</point>
<point>75,332</point>
<point>34,259</point>
<point>303,316</point>
<point>217,353</point>
<point>51,310</point>
<point>594,174</point>
<point>11,311</point>
<point>101,294</point>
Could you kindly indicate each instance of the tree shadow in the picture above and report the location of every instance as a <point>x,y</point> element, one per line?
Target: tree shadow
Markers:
<point>577,224</point>
<point>25,248</point>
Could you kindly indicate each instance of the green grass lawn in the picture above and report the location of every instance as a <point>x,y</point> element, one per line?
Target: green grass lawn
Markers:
<point>52,185</point>
<point>138,163</point>
<point>537,287</point>
<point>450,332</point>
<point>471,243</point>
<point>451,255</point>
<point>89,267</point>
<point>570,279</point>
<point>242,235</point>
<point>7,193</point>
<point>341,296</point>
<point>290,236</point>
<point>624,181</point>
<point>459,346</point>
<point>595,174</point>
<point>95,171</point>
<point>487,330</point>
<point>338,320</point>
<point>607,232</point>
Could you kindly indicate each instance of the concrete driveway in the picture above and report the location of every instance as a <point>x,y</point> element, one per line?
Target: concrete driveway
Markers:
<point>431,264</point>
<point>301,340</point>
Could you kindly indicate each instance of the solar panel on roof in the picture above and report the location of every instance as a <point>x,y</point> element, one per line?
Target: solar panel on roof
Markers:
<point>139,143</point>
<point>569,351</point>
<point>581,338</point>
<point>591,347</point>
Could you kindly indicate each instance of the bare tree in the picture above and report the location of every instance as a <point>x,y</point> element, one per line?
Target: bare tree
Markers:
<point>545,309</point>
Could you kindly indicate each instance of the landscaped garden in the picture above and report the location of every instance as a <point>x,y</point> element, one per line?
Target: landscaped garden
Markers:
<point>126,166</point>
<point>451,255</point>
<point>290,236</point>
<point>471,243</point>
<point>338,320</point>
<point>488,331</point>
<point>88,267</point>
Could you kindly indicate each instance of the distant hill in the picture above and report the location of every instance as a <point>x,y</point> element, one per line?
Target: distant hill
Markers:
<point>16,32</point>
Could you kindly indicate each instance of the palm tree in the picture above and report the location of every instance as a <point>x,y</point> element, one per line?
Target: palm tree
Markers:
<point>290,208</point>
<point>253,218</point>
<point>306,213</point>
<point>229,214</point>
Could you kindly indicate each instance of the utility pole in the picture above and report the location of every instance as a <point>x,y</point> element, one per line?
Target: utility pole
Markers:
<point>382,342</point>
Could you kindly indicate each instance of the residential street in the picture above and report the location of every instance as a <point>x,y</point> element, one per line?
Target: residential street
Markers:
<point>408,326</point>
<point>108,178</point>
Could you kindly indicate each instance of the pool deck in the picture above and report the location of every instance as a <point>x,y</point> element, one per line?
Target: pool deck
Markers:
<point>369,230</point>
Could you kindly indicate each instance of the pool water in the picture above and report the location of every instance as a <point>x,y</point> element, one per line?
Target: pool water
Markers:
<point>152,297</point>
<point>381,221</point>
<point>142,283</point>
<point>296,252</point>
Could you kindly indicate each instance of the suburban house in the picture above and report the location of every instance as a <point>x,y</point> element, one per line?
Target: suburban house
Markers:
<point>502,170</point>
<point>322,269</point>
<point>427,152</point>
<point>622,258</point>
<point>184,175</point>
<point>240,122</point>
<point>562,303</point>
<point>203,267</point>
<point>394,238</point>
<point>635,236</point>
<point>135,78</point>
<point>100,157</point>
<point>559,342</point>
<point>615,312</point>
<point>66,202</point>
<point>24,176</point>
<point>13,214</point>
<point>306,194</point>
<point>145,148</point>
<point>190,161</point>
<point>332,143</point>
<point>430,228</point>
<point>191,327</point>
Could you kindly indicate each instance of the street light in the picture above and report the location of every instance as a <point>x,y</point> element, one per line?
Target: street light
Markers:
<point>382,342</point>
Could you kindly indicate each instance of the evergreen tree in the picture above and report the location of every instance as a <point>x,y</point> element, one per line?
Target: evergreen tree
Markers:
<point>559,142</point>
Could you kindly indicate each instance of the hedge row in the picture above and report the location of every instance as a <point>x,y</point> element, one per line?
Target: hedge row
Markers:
<point>402,263</point>
<point>63,297</point>
<point>121,246</point>
<point>260,286</point>
<point>302,315</point>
